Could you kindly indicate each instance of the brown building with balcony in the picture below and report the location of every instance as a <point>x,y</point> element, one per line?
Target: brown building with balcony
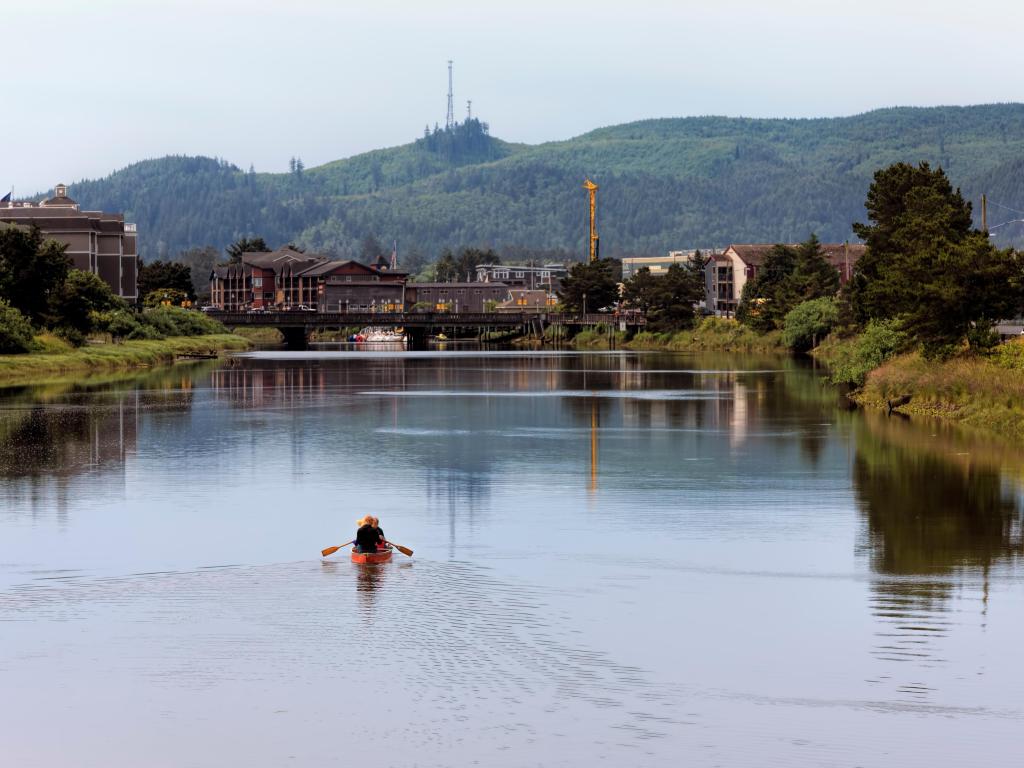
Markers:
<point>289,279</point>
<point>101,243</point>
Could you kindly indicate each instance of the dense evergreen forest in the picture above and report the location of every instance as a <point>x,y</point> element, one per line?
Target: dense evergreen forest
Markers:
<point>665,184</point>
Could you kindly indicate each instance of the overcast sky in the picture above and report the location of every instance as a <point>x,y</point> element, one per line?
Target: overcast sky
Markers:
<point>89,87</point>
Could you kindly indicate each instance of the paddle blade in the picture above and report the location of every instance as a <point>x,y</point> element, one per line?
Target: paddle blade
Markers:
<point>404,550</point>
<point>332,550</point>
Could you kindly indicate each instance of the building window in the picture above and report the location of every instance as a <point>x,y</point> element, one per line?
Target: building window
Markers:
<point>519,274</point>
<point>257,282</point>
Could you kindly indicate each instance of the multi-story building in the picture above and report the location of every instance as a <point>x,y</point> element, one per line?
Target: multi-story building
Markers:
<point>289,279</point>
<point>731,269</point>
<point>101,243</point>
<point>545,277</point>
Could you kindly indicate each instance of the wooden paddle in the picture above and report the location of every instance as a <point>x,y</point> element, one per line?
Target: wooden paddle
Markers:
<point>404,550</point>
<point>332,550</point>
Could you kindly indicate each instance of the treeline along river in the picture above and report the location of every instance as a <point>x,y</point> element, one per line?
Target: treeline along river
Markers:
<point>621,559</point>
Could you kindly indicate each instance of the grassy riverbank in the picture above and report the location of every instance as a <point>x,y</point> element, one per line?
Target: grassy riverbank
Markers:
<point>58,359</point>
<point>713,334</point>
<point>985,392</point>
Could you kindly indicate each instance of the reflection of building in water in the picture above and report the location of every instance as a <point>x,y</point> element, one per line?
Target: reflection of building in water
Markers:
<point>933,529</point>
<point>43,447</point>
<point>273,383</point>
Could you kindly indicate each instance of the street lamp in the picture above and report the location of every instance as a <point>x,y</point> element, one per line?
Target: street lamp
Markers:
<point>584,304</point>
<point>997,226</point>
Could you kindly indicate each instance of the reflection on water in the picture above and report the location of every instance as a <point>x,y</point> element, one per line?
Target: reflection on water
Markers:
<point>621,558</point>
<point>937,528</point>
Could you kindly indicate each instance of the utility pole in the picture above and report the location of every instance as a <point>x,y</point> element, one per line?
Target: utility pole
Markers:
<point>469,110</point>
<point>591,187</point>
<point>449,121</point>
<point>984,213</point>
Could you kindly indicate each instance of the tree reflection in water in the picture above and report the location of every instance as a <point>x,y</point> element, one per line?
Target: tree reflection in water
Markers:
<point>936,528</point>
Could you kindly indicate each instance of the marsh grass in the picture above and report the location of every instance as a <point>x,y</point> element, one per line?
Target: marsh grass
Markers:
<point>58,358</point>
<point>980,391</point>
<point>712,334</point>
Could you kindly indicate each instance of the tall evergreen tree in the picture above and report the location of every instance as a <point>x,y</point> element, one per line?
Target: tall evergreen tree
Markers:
<point>245,245</point>
<point>591,286</point>
<point>927,267</point>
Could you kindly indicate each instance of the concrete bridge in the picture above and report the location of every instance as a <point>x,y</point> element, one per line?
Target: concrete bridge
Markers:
<point>296,326</point>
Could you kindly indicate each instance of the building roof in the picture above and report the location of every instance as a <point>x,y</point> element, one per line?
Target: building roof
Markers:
<point>835,253</point>
<point>280,257</point>
<point>326,267</point>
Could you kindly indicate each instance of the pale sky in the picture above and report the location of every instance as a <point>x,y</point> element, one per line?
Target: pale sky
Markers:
<point>90,86</point>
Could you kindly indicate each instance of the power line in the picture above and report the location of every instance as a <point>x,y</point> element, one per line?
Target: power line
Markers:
<point>1000,205</point>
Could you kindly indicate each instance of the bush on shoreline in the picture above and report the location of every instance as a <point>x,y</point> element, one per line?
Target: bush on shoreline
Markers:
<point>15,331</point>
<point>158,323</point>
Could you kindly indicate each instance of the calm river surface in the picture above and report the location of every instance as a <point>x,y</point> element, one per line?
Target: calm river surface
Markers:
<point>621,559</point>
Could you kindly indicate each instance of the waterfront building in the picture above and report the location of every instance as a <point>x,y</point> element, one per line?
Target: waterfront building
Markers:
<point>545,277</point>
<point>97,242</point>
<point>455,297</point>
<point>658,265</point>
<point>349,286</point>
<point>730,270</point>
<point>289,279</point>
<point>525,300</point>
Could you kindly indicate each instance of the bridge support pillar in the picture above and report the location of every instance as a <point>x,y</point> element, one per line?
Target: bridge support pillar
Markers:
<point>295,338</point>
<point>417,338</point>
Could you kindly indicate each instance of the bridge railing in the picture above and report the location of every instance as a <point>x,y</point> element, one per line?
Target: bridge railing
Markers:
<point>420,319</point>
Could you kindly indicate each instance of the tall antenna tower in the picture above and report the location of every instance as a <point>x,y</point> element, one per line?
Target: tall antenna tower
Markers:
<point>449,121</point>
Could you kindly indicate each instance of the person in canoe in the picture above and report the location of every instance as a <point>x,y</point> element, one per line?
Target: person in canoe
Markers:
<point>369,536</point>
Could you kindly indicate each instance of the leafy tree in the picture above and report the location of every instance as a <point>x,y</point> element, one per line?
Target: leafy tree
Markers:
<point>446,270</point>
<point>880,340</point>
<point>82,294</point>
<point>809,322</point>
<point>165,275</point>
<point>15,331</point>
<point>641,290</point>
<point>245,245</point>
<point>670,300</point>
<point>926,266</point>
<point>471,258</point>
<point>31,270</point>
<point>682,287</point>
<point>591,286</point>
<point>771,293</point>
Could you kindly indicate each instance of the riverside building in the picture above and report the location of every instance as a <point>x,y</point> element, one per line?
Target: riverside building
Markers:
<point>97,242</point>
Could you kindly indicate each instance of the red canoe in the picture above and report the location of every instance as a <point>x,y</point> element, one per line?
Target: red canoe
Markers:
<point>371,557</point>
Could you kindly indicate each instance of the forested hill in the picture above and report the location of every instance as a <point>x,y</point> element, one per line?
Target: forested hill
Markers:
<point>665,184</point>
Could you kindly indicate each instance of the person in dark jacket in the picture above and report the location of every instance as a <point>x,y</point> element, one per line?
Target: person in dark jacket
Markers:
<point>369,537</point>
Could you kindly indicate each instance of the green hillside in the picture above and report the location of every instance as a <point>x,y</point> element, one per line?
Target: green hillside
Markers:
<point>665,184</point>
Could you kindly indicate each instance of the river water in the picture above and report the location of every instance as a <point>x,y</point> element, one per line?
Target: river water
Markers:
<point>621,559</point>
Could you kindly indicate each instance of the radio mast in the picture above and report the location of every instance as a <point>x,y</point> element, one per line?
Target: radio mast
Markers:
<point>449,121</point>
